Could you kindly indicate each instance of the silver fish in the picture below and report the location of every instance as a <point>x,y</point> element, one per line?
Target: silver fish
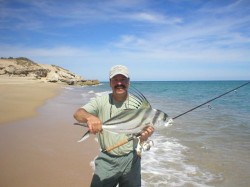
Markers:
<point>132,121</point>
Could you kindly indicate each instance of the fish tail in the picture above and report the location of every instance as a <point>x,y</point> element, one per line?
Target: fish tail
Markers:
<point>84,137</point>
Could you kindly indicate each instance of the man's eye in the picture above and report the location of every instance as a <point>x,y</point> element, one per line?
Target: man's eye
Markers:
<point>119,80</point>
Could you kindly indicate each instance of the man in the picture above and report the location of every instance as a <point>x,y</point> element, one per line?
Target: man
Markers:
<point>122,165</point>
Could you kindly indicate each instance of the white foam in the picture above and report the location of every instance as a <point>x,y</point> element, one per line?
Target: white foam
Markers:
<point>68,88</point>
<point>166,165</point>
<point>84,95</point>
<point>102,93</point>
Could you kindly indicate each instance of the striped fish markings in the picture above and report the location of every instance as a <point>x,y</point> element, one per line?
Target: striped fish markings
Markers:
<point>132,121</point>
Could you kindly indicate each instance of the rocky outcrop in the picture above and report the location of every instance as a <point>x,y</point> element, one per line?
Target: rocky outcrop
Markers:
<point>87,82</point>
<point>24,67</point>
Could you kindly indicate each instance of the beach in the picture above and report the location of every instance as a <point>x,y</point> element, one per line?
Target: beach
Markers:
<point>38,141</point>
<point>206,147</point>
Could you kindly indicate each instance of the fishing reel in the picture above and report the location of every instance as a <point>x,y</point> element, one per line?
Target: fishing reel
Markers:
<point>144,146</point>
<point>147,145</point>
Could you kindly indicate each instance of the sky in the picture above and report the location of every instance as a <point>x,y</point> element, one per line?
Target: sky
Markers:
<point>163,40</point>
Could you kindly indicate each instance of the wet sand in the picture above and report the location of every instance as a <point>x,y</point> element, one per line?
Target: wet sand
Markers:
<point>37,139</point>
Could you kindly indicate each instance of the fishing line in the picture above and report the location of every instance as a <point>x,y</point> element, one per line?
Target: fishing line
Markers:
<point>235,89</point>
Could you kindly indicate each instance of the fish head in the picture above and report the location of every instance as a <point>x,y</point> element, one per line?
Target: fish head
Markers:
<point>159,118</point>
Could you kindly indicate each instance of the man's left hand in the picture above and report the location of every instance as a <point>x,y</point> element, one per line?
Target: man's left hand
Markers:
<point>146,133</point>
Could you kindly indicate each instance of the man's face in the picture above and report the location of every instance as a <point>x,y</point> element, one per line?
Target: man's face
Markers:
<point>119,84</point>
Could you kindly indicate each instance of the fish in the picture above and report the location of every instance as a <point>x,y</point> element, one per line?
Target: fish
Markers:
<point>133,121</point>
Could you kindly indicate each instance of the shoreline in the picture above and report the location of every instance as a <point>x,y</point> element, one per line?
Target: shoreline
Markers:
<point>39,145</point>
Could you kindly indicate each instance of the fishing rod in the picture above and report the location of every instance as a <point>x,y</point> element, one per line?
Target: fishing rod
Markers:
<point>210,100</point>
<point>171,120</point>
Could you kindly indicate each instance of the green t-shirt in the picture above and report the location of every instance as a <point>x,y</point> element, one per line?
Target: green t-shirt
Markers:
<point>104,107</point>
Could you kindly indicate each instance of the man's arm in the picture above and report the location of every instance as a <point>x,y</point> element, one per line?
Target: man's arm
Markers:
<point>93,122</point>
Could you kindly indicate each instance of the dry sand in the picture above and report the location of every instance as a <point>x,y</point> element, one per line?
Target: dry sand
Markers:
<point>38,145</point>
<point>21,96</point>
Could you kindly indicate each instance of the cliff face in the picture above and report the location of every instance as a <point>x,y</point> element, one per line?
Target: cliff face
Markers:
<point>24,67</point>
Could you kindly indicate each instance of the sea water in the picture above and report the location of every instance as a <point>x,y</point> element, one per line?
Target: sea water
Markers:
<point>209,146</point>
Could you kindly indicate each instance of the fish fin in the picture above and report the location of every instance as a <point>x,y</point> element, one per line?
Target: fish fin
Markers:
<point>84,137</point>
<point>140,100</point>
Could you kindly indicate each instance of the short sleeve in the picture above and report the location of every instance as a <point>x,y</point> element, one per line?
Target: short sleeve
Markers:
<point>91,107</point>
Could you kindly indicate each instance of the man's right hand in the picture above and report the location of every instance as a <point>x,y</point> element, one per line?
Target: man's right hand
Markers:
<point>94,124</point>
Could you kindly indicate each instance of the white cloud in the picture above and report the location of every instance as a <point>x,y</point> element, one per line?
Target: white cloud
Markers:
<point>174,42</point>
<point>155,18</point>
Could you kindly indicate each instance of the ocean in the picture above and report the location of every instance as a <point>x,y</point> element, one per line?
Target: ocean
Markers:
<point>209,146</point>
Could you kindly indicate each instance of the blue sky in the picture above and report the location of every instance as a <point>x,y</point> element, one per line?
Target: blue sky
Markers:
<point>155,39</point>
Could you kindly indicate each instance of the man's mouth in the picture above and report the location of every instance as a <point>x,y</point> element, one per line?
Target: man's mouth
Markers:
<point>120,87</point>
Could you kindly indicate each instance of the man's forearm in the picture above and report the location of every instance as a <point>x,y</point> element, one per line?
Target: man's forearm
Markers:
<point>81,115</point>
<point>93,122</point>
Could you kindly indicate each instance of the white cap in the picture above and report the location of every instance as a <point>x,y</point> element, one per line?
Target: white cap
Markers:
<point>118,70</point>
